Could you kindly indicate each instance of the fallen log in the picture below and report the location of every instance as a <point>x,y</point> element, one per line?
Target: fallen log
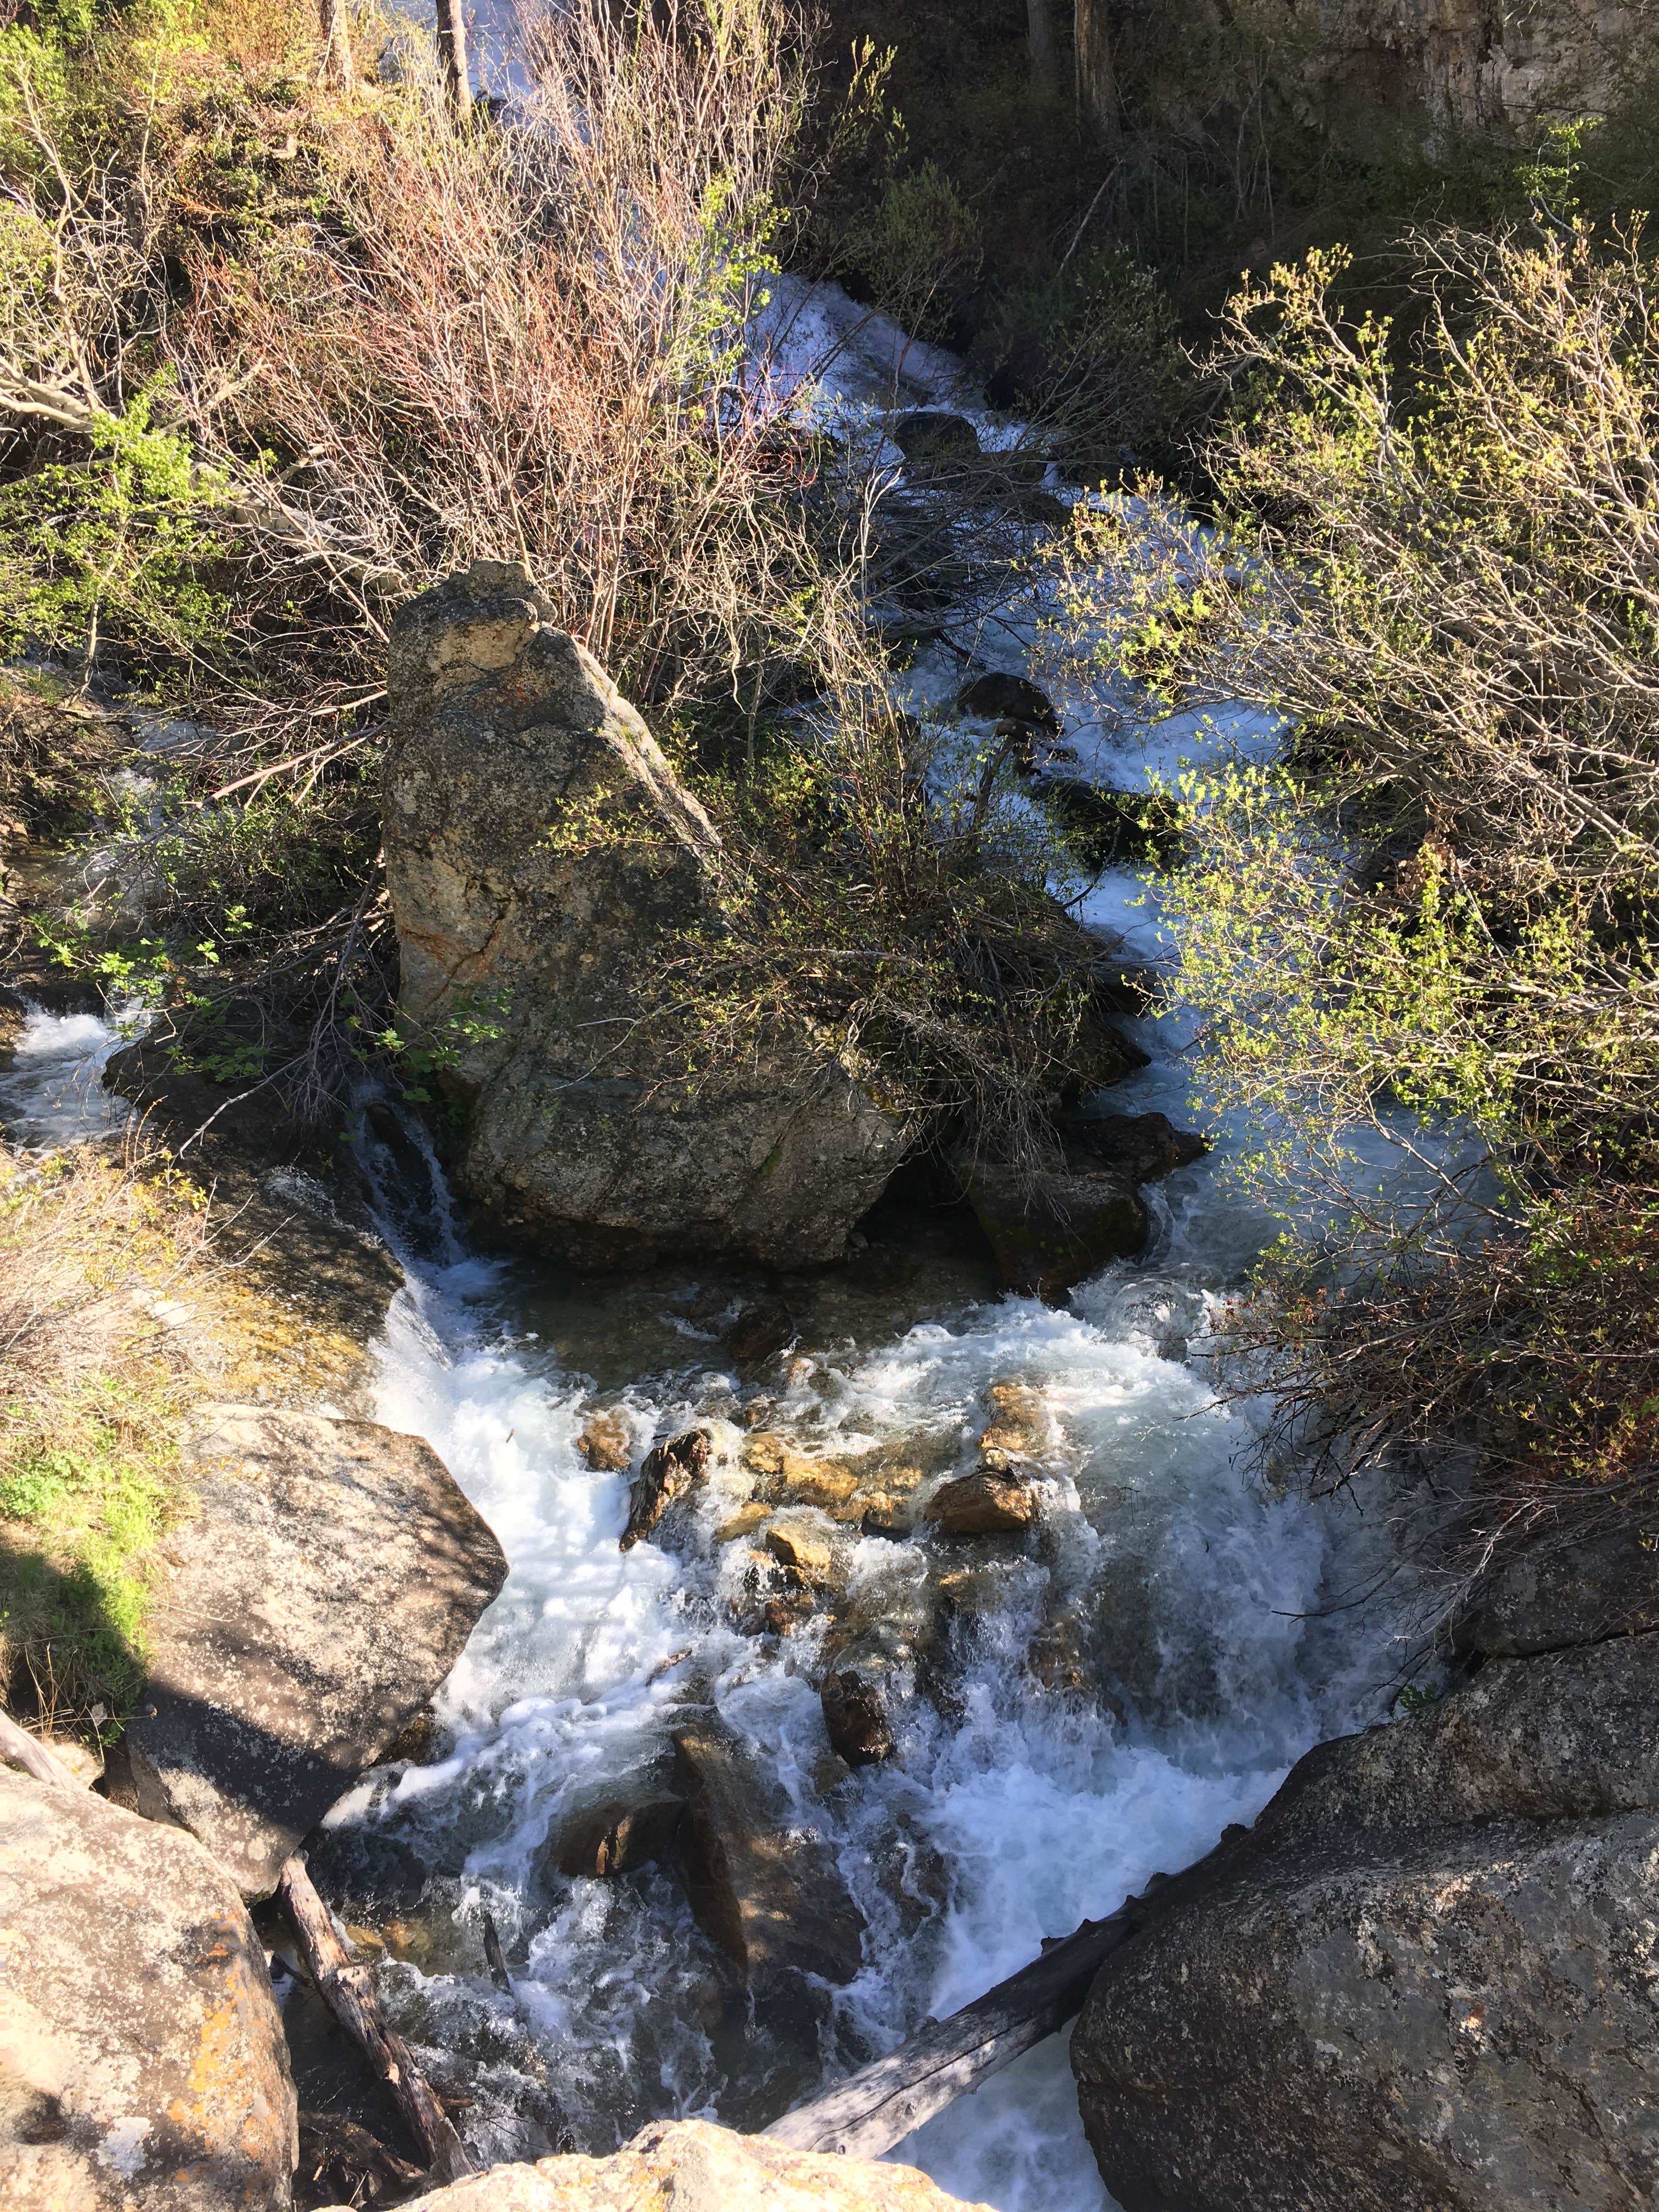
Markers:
<point>872,2109</point>
<point>19,1749</point>
<point>347,1986</point>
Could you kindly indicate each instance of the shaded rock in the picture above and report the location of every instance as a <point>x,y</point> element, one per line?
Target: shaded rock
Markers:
<point>1104,828</point>
<point>984,1503</point>
<point>999,696</point>
<point>326,1590</point>
<point>1049,1227</point>
<point>871,1679</point>
<point>668,1473</point>
<point>1422,1982</point>
<point>767,1892</point>
<point>1572,1584</point>
<point>697,2167</point>
<point>606,1442</point>
<point>1144,1147</point>
<point>541,857</point>
<point>761,1329</point>
<point>619,1835</point>
<point>142,2055</point>
<point>935,442</point>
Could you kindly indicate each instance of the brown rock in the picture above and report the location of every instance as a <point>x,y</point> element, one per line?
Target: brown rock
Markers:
<point>326,1590</point>
<point>770,1894</point>
<point>142,2062</point>
<point>743,1522</point>
<point>1144,1147</point>
<point>692,2166</point>
<point>1020,1428</point>
<point>981,1504</point>
<point>669,1472</point>
<point>616,1837</point>
<point>855,1716</point>
<point>604,1443</point>
<point>803,1545</point>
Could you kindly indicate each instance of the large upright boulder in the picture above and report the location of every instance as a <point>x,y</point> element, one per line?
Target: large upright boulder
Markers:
<point>141,2056</point>
<point>1424,1982</point>
<point>544,861</point>
<point>327,1586</point>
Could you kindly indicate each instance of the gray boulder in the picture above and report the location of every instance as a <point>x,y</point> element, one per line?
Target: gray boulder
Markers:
<point>324,1592</point>
<point>544,859</point>
<point>142,2055</point>
<point>1574,1583</point>
<point>1422,1983</point>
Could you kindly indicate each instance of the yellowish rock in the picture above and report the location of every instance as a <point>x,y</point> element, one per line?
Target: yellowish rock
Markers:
<point>743,1522</point>
<point>1020,1427</point>
<point>690,2166</point>
<point>803,1545</point>
<point>764,1452</point>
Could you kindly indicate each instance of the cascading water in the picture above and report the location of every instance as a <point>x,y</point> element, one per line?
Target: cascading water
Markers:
<point>1193,1601</point>
<point>1108,1694</point>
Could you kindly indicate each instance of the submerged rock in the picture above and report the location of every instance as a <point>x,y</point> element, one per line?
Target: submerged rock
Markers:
<point>142,2055</point>
<point>620,1834</point>
<point>326,1589</point>
<point>1050,1227</point>
<point>767,1893</point>
<point>1422,1983</point>
<point>669,1472</point>
<point>696,2167</point>
<point>543,860</point>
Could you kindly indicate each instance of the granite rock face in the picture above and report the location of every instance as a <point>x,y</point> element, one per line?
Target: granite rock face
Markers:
<point>1424,1982</point>
<point>326,1590</point>
<point>544,859</point>
<point>690,2167</point>
<point>141,2056</point>
<point>1565,1585</point>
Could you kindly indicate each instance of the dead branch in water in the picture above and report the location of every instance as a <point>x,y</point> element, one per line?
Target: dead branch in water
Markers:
<point>872,2109</point>
<point>347,1986</point>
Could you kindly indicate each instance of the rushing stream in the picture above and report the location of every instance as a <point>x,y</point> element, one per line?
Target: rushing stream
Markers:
<point>1118,1686</point>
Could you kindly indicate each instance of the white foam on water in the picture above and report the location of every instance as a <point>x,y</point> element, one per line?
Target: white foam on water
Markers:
<point>1201,1594</point>
<point>52,1090</point>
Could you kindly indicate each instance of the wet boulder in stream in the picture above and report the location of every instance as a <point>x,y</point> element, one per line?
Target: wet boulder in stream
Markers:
<point>670,1472</point>
<point>766,1891</point>
<point>1052,1226</point>
<point>544,861</point>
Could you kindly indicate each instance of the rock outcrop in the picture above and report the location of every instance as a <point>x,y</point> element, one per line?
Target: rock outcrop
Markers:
<point>1422,1983</point>
<point>695,2167</point>
<point>1565,1585</point>
<point>141,2056</point>
<point>543,860</point>
<point>326,1587</point>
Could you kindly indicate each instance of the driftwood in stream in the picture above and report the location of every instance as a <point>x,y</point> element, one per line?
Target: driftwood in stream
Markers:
<point>347,1988</point>
<point>871,2111</point>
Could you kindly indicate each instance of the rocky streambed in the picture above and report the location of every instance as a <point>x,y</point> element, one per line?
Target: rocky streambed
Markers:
<point>848,1625</point>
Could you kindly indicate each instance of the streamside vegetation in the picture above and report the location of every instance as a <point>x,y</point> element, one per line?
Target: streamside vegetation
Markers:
<point>1434,922</point>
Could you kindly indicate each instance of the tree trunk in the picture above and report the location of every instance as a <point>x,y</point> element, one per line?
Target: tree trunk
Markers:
<point>871,2111</point>
<point>1040,42</point>
<point>452,53</point>
<point>347,1989</point>
<point>1097,79</point>
<point>336,45</point>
